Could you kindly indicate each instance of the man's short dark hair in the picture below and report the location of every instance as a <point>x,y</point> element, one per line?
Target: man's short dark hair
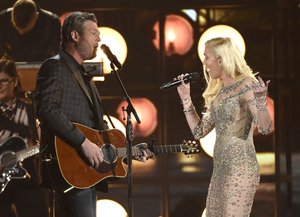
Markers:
<point>23,12</point>
<point>74,22</point>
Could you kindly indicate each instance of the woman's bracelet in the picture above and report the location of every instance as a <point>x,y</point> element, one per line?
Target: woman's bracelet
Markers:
<point>261,102</point>
<point>190,109</point>
<point>261,107</point>
<point>262,97</point>
<point>186,100</point>
<point>265,131</point>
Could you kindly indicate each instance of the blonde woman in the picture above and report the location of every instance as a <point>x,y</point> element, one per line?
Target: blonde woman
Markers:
<point>235,102</point>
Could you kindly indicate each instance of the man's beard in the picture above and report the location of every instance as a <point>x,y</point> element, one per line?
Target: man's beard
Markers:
<point>94,52</point>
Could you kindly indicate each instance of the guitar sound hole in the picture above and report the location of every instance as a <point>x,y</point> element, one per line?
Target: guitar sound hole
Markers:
<point>110,154</point>
<point>8,159</point>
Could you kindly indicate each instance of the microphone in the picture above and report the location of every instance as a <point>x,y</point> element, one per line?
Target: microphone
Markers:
<point>111,56</point>
<point>194,76</point>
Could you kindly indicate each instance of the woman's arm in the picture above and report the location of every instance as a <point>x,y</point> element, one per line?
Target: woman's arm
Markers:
<point>198,127</point>
<point>257,101</point>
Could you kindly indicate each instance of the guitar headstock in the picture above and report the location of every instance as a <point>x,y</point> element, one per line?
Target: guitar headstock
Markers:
<point>190,147</point>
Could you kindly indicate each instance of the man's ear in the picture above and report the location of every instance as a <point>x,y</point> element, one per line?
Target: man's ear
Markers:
<point>74,36</point>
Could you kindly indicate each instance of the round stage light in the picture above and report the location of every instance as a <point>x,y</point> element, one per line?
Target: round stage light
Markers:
<point>110,208</point>
<point>147,113</point>
<point>270,106</point>
<point>221,31</point>
<point>64,16</point>
<point>208,142</point>
<point>117,44</point>
<point>118,124</point>
<point>178,35</point>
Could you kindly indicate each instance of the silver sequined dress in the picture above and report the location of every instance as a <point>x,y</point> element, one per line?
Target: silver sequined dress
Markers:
<point>236,172</point>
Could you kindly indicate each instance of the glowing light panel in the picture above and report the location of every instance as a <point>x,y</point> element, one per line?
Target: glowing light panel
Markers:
<point>208,142</point>
<point>178,35</point>
<point>147,113</point>
<point>110,208</point>
<point>221,31</point>
<point>118,124</point>
<point>117,44</point>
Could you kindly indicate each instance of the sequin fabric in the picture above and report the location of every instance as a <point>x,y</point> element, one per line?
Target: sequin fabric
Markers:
<point>236,172</point>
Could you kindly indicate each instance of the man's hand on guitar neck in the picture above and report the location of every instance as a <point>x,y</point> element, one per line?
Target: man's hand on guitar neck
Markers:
<point>92,152</point>
<point>147,154</point>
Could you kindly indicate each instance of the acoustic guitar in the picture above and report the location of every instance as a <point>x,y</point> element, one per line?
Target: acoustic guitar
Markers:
<point>12,152</point>
<point>77,172</point>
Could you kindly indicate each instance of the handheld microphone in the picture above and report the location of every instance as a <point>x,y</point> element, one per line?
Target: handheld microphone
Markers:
<point>111,56</point>
<point>194,76</point>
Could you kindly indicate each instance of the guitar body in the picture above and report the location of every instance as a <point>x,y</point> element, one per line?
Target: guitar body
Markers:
<point>70,169</point>
<point>10,167</point>
<point>76,171</point>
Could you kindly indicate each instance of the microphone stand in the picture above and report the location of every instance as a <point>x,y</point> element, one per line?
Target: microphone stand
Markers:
<point>129,137</point>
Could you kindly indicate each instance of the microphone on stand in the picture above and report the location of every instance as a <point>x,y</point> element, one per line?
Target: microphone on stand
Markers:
<point>111,56</point>
<point>194,76</point>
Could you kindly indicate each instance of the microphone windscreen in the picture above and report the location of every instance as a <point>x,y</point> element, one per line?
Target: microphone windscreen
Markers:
<point>194,76</point>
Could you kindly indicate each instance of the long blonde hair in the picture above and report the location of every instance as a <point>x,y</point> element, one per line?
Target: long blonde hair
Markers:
<point>233,63</point>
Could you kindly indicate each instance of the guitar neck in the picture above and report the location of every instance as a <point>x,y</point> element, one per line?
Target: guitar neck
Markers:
<point>163,149</point>
<point>23,154</point>
<point>157,149</point>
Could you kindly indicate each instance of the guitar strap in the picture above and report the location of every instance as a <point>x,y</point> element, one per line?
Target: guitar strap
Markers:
<point>84,88</point>
<point>77,75</point>
<point>31,122</point>
<point>94,88</point>
<point>74,69</point>
<point>109,152</point>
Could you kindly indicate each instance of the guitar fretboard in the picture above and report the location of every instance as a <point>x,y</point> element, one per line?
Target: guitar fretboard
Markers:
<point>23,154</point>
<point>122,152</point>
<point>167,149</point>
